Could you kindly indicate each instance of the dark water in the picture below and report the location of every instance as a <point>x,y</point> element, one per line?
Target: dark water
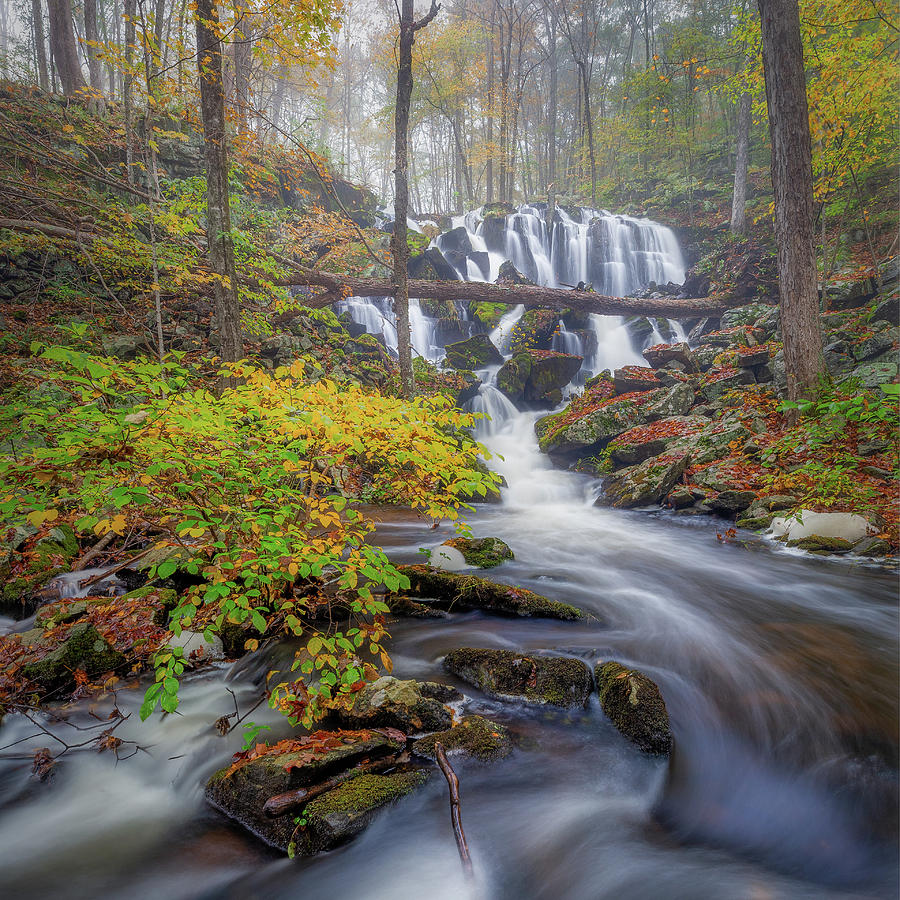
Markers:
<point>780,673</point>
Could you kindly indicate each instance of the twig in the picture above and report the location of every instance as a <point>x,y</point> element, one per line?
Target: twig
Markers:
<point>92,554</point>
<point>101,575</point>
<point>455,817</point>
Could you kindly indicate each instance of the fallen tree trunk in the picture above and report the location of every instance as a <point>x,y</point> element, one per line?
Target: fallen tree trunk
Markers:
<point>338,286</point>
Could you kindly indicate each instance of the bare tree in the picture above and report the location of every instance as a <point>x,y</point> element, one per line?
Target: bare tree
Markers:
<point>40,46</point>
<point>399,247</point>
<point>741,165</point>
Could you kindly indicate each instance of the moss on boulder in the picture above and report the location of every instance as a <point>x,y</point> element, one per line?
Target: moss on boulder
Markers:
<point>537,377</point>
<point>472,736</point>
<point>84,648</point>
<point>633,704</point>
<point>475,352</point>
<point>240,791</point>
<point>455,591</point>
<point>411,706</point>
<point>482,553</point>
<point>554,680</point>
<point>646,483</point>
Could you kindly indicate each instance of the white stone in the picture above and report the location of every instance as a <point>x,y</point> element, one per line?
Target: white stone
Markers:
<point>191,641</point>
<point>848,526</point>
<point>448,558</point>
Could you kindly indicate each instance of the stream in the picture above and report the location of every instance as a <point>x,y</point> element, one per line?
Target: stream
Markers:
<point>779,671</point>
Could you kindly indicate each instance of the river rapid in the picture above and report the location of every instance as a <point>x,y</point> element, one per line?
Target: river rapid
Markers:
<point>779,670</point>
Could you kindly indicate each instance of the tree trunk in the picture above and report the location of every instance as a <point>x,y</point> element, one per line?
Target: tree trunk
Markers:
<point>241,59</point>
<point>551,111</point>
<point>64,48</point>
<point>40,47</point>
<point>127,95</point>
<point>92,37</point>
<point>489,166</point>
<point>742,162</point>
<point>792,181</point>
<point>338,286</point>
<point>399,247</point>
<point>586,81</point>
<point>218,226</point>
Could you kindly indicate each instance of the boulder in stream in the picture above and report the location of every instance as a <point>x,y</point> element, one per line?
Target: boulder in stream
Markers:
<point>411,706</point>
<point>634,705</point>
<point>481,553</point>
<point>84,648</point>
<point>537,377</point>
<point>241,790</point>
<point>646,483</point>
<point>554,680</point>
<point>455,591</point>
<point>475,352</point>
<point>472,736</point>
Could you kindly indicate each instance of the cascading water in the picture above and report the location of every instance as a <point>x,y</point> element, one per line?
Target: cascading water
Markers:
<point>772,666</point>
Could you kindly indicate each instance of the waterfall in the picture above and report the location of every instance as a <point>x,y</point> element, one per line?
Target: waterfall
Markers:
<point>617,254</point>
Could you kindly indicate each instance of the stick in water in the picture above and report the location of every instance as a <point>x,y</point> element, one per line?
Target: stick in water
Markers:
<point>455,818</point>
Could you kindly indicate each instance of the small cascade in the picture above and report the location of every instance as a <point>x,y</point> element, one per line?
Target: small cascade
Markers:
<point>502,334</point>
<point>492,403</point>
<point>565,341</point>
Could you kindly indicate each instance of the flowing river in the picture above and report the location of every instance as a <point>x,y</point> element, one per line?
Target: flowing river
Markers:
<point>779,671</point>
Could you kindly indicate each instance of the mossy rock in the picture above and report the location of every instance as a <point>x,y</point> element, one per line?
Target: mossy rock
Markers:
<point>482,553</point>
<point>411,706</point>
<point>537,377</point>
<point>489,314</point>
<point>475,352</point>
<point>534,330</point>
<point>83,648</point>
<point>455,591</point>
<point>633,704</point>
<point>241,792</point>
<point>499,208</point>
<point>816,542</point>
<point>644,484</point>
<point>472,736</point>
<point>339,815</point>
<point>554,680</point>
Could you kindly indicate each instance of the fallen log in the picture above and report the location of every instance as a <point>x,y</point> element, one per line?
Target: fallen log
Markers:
<point>529,295</point>
<point>455,817</point>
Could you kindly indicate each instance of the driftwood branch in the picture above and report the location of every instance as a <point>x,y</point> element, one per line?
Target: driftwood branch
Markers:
<point>455,817</point>
<point>528,295</point>
<point>282,804</point>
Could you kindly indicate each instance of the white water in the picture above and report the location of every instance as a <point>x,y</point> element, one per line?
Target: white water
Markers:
<point>771,666</point>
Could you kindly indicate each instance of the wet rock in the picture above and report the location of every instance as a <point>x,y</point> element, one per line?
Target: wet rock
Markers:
<point>473,736</point>
<point>508,273</point>
<point>454,591</point>
<point>339,815</point>
<point>635,378</point>
<point>475,352</point>
<point>681,498</point>
<point>633,704</point>
<point>241,791</point>
<point>456,239</point>
<point>411,706</point>
<point>816,542</point>
<point>751,357</point>
<point>872,546</point>
<point>730,502</point>
<point>481,553</point>
<point>196,648</point>
<point>642,442</point>
<point>755,523</point>
<point>503,674</point>
<point>676,401</point>
<point>403,606</point>
<point>537,377</point>
<point>848,526</point>
<point>83,648</point>
<point>639,329</point>
<point>662,354</point>
<point>646,483</point>
<point>594,426</point>
<point>534,330</point>
<point>717,384</point>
